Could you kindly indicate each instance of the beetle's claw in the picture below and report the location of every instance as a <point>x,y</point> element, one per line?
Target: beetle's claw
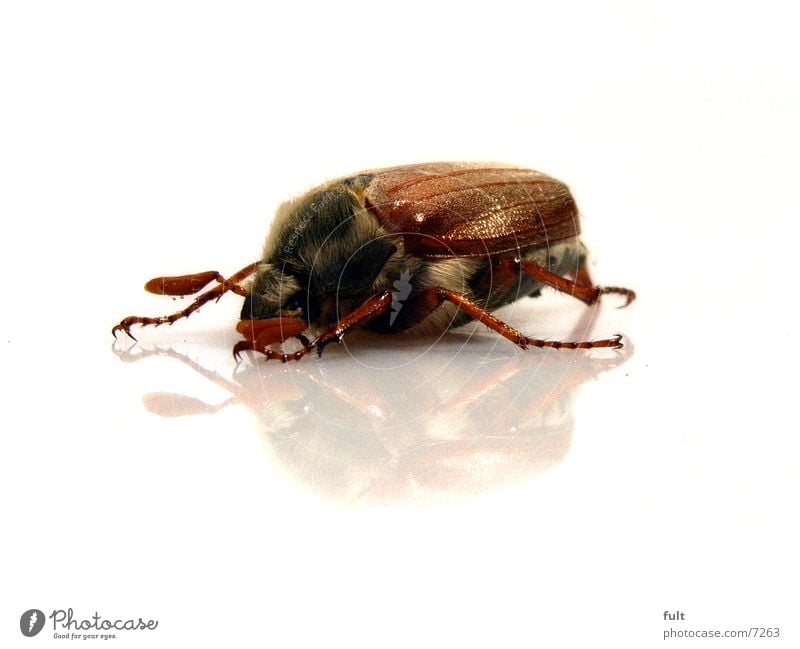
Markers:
<point>123,326</point>
<point>238,348</point>
<point>629,294</point>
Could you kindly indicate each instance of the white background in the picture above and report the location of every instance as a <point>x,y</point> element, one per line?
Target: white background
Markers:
<point>390,494</point>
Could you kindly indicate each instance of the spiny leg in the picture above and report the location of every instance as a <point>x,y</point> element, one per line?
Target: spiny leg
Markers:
<point>581,287</point>
<point>582,276</point>
<point>371,308</point>
<point>434,296</point>
<point>260,334</point>
<point>183,285</point>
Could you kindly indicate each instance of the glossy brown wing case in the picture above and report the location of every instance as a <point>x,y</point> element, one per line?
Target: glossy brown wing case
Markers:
<point>451,209</point>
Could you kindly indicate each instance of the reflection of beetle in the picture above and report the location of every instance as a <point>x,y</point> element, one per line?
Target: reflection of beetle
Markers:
<point>430,433</point>
<point>426,246</point>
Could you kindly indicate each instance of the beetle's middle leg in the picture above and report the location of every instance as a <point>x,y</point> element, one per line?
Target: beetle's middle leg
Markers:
<point>434,296</point>
<point>580,287</point>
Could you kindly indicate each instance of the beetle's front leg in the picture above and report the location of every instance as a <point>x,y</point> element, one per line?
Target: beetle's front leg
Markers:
<point>260,334</point>
<point>371,308</point>
<point>271,354</point>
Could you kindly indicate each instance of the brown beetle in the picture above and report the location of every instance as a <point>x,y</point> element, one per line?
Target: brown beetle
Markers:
<point>418,247</point>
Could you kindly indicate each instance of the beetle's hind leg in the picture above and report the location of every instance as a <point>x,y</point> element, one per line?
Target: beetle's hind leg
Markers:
<point>433,297</point>
<point>187,285</point>
<point>581,286</point>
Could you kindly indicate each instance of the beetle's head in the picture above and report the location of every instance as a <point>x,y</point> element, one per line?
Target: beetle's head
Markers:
<point>320,297</point>
<point>324,257</point>
<point>274,293</point>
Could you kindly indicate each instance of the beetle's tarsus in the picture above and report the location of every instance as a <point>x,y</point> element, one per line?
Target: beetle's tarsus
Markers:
<point>238,348</point>
<point>249,345</point>
<point>123,326</point>
<point>629,294</point>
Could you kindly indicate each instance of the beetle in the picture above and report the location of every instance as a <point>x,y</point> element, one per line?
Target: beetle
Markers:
<point>421,247</point>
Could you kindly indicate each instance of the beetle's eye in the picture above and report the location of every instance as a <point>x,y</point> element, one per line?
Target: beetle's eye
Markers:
<point>294,303</point>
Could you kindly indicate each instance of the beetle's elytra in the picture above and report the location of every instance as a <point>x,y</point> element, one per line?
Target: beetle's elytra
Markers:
<point>425,246</point>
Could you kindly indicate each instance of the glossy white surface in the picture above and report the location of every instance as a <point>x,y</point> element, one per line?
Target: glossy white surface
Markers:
<point>453,492</point>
